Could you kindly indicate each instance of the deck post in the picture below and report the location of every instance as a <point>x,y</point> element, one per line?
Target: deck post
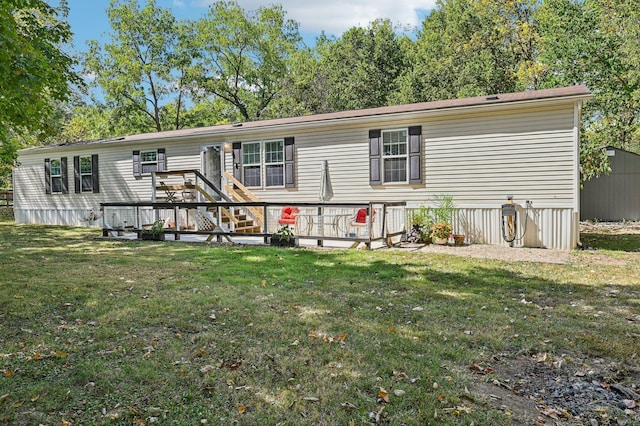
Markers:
<point>265,227</point>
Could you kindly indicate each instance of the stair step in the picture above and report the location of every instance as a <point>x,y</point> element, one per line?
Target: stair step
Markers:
<point>248,229</point>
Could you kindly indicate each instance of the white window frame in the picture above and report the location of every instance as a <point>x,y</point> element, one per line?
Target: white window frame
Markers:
<point>274,164</point>
<point>262,163</point>
<point>387,155</point>
<point>56,176</point>
<point>253,164</point>
<point>84,174</point>
<point>143,162</point>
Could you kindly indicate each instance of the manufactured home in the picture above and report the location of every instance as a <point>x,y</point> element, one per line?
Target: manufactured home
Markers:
<point>481,151</point>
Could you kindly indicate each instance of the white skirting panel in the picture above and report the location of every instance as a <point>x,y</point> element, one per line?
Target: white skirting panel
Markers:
<point>552,228</point>
<point>65,217</point>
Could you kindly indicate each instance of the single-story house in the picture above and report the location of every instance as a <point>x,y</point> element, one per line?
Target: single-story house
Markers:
<point>616,196</point>
<point>479,150</point>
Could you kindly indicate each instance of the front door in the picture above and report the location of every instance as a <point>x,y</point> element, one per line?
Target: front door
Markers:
<point>212,166</point>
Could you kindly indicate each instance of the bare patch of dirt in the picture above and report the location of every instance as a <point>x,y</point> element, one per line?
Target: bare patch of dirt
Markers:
<point>545,390</point>
<point>512,254</point>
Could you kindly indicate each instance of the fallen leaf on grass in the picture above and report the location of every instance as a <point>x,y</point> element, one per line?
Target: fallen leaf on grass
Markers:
<point>348,405</point>
<point>458,410</point>
<point>400,374</point>
<point>65,423</point>
<point>480,369</point>
<point>242,409</point>
<point>383,395</point>
<point>206,369</point>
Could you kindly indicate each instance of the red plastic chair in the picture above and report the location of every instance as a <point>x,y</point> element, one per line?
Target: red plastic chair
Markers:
<point>359,221</point>
<point>289,216</point>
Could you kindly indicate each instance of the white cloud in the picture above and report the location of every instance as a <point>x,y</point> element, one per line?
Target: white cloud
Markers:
<point>337,16</point>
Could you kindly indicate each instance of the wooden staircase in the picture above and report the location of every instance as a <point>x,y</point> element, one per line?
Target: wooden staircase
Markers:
<point>235,219</point>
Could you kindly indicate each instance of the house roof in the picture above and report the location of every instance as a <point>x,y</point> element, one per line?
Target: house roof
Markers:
<point>571,92</point>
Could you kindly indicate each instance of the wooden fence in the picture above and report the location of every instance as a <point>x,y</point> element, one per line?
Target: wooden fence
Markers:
<point>6,198</point>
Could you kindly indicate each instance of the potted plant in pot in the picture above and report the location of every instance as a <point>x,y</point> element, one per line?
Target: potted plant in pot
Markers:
<point>155,233</point>
<point>420,220</point>
<point>458,239</point>
<point>441,232</point>
<point>283,237</point>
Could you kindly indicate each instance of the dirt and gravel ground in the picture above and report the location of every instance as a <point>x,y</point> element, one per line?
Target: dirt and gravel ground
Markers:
<point>542,389</point>
<point>525,254</point>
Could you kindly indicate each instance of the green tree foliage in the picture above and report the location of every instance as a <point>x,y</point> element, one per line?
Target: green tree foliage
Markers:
<point>141,70</point>
<point>242,57</point>
<point>470,48</point>
<point>361,67</point>
<point>595,42</point>
<point>357,70</point>
<point>35,71</point>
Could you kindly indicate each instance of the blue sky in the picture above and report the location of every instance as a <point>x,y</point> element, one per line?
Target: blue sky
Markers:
<point>88,18</point>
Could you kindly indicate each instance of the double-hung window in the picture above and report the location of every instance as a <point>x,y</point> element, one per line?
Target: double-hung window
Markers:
<point>86,174</point>
<point>56,176</point>
<point>252,164</point>
<point>263,162</point>
<point>274,163</point>
<point>148,161</point>
<point>394,155</point>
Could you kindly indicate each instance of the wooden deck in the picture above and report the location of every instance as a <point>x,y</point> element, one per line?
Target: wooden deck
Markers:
<point>315,222</point>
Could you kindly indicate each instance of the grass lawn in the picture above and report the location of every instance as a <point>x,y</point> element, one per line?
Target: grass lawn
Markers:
<point>99,331</point>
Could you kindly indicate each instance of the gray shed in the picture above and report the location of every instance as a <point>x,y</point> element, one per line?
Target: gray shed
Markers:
<point>613,197</point>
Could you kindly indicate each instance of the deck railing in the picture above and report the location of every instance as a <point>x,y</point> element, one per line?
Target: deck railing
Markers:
<point>384,221</point>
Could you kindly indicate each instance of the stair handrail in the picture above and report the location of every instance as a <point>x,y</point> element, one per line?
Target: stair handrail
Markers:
<point>212,186</point>
<point>250,195</point>
<point>245,196</point>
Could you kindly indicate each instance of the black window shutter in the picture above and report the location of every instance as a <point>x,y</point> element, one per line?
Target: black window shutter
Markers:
<point>76,173</point>
<point>415,154</point>
<point>94,173</point>
<point>65,178</point>
<point>237,160</point>
<point>47,176</point>
<point>162,160</point>
<point>137,170</point>
<point>289,163</point>
<point>375,137</point>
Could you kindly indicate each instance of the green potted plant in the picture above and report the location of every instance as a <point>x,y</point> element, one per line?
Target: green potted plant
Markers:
<point>441,232</point>
<point>283,237</point>
<point>155,232</point>
<point>420,220</point>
